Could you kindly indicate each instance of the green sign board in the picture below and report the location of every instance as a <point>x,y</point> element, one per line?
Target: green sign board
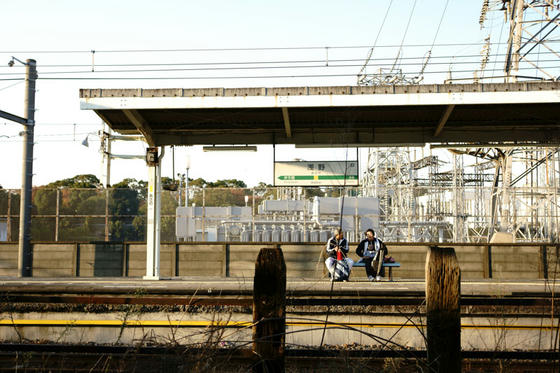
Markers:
<point>316,173</point>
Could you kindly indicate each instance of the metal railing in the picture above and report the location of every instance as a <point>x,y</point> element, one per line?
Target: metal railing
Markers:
<point>419,214</point>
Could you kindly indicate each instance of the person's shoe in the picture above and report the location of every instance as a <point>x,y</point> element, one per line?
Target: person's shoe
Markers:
<point>371,278</point>
<point>378,278</point>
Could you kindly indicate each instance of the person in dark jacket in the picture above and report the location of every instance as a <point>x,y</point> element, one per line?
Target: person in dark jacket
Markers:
<point>337,249</point>
<point>373,251</point>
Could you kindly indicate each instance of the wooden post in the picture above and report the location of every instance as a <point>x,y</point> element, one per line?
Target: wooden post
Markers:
<point>443,290</point>
<point>269,311</point>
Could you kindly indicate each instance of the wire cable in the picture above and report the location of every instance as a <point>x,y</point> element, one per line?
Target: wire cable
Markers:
<point>96,72</point>
<point>244,63</point>
<point>11,85</point>
<point>420,64</point>
<point>241,49</point>
<point>499,42</point>
<point>339,227</point>
<point>375,42</point>
<point>205,63</point>
<point>404,35</point>
<point>429,53</point>
<point>225,77</point>
<point>439,25</point>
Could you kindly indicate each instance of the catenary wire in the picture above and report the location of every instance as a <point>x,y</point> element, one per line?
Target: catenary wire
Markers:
<point>368,58</point>
<point>396,63</point>
<point>420,63</point>
<point>246,76</point>
<point>241,49</point>
<point>439,25</point>
<point>429,53</point>
<point>268,62</point>
<point>11,85</point>
<point>339,227</point>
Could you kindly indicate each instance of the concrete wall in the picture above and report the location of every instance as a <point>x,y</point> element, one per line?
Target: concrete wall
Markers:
<point>477,261</point>
<point>479,332</point>
<point>8,259</point>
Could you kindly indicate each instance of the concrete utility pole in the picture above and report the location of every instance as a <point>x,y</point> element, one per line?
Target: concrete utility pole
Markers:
<point>187,183</point>
<point>107,155</point>
<point>24,250</point>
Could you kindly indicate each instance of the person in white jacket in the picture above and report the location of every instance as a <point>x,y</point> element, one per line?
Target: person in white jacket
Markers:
<point>337,250</point>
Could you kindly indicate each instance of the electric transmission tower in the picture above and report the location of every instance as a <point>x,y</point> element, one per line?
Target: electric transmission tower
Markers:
<point>462,201</point>
<point>533,30</point>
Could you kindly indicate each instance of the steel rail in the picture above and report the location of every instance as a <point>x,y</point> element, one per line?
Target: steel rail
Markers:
<point>529,300</point>
<point>290,353</point>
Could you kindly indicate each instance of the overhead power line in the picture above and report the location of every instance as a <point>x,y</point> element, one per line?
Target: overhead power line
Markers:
<point>211,77</point>
<point>216,63</point>
<point>241,49</point>
<point>11,85</point>
<point>321,66</point>
<point>406,30</point>
<point>271,65</point>
<point>368,58</point>
<point>429,53</point>
<point>439,25</point>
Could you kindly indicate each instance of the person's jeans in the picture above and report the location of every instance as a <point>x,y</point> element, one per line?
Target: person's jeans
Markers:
<point>330,262</point>
<point>374,267</point>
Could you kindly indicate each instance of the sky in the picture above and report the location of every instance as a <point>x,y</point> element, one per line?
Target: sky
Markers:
<point>56,33</point>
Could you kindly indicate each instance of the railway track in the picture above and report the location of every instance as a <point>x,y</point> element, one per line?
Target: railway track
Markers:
<point>98,358</point>
<point>328,351</point>
<point>527,300</point>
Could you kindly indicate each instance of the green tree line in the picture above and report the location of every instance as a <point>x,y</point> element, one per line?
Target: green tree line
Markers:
<point>82,196</point>
<point>83,203</point>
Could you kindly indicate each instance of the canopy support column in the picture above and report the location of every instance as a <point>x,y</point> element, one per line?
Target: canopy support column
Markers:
<point>154,213</point>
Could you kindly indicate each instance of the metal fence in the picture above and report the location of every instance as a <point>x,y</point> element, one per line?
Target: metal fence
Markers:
<point>402,213</point>
<point>88,214</point>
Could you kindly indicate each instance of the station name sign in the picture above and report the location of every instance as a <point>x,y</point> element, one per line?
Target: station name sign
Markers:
<point>316,173</point>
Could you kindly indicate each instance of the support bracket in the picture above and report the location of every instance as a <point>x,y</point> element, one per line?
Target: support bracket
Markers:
<point>141,124</point>
<point>287,126</point>
<point>443,119</point>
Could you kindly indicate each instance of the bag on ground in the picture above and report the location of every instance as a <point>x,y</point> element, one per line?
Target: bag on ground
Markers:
<point>341,271</point>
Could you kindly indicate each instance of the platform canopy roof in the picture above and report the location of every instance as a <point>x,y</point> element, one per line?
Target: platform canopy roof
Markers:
<point>332,116</point>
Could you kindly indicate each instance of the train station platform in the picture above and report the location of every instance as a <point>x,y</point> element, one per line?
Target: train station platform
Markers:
<point>209,286</point>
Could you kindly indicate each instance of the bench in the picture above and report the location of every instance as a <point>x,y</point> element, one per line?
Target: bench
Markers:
<point>361,263</point>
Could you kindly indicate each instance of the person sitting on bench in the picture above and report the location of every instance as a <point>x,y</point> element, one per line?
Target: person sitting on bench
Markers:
<point>338,264</point>
<point>373,251</point>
